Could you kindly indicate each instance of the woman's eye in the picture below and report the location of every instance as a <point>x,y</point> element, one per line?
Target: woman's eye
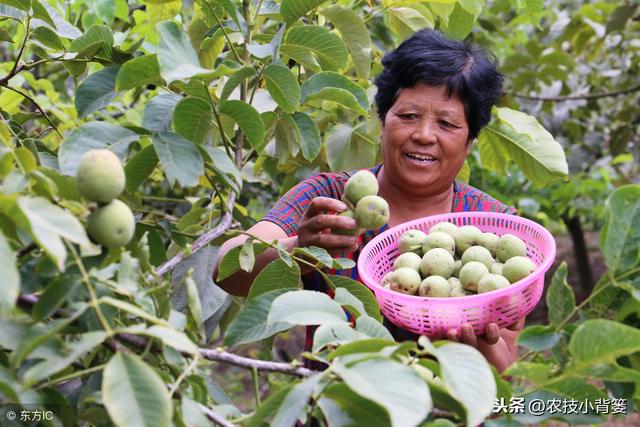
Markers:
<point>447,124</point>
<point>408,116</point>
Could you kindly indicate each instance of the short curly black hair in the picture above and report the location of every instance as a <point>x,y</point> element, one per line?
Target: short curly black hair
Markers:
<point>467,71</point>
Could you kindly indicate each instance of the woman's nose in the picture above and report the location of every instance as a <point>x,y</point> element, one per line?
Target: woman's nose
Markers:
<point>424,132</point>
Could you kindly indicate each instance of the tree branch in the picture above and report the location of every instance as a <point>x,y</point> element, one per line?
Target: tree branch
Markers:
<point>216,418</point>
<point>201,242</point>
<point>576,97</point>
<point>219,355</point>
<point>33,101</point>
<point>16,69</point>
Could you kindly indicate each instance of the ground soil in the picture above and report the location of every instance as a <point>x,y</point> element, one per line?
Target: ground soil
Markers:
<point>238,382</point>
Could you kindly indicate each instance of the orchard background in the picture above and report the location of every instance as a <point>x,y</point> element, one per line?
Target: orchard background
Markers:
<point>216,107</point>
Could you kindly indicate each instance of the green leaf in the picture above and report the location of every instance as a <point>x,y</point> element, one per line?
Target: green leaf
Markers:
<point>176,56</point>
<point>371,345</point>
<point>335,334</point>
<point>140,167</point>
<point>291,10</point>
<point>268,407</point>
<point>40,12</point>
<point>47,37</point>
<point>468,379</point>
<point>158,112</point>
<point>355,34</point>
<point>560,298</point>
<point>52,365</point>
<point>408,403</point>
<point>276,275</point>
<point>329,79</point>
<point>171,337</point>
<point>49,225</point>
<point>344,297</point>
<point>621,233</point>
<point>328,48</point>
<point>310,142</point>
<point>235,80</point>
<point>306,308</point>
<point>56,293</point>
<point>133,309</point>
<point>343,408</point>
<point>599,341</point>
<point>18,4</point>
<point>251,325</point>
<point>99,38</point>
<point>536,372</point>
<point>618,19</point>
<point>293,406</point>
<point>246,257</point>
<point>105,10</point>
<point>316,254</point>
<point>518,137</point>
<point>358,290</point>
<point>138,71</point>
<point>179,157</point>
<point>192,118</point>
<point>283,86</point>
<point>247,118</point>
<point>224,166</point>
<point>92,136</point>
<point>134,394</point>
<point>460,23</point>
<point>406,20</point>
<point>96,91</point>
<point>10,284</point>
<point>538,337</point>
<point>372,328</point>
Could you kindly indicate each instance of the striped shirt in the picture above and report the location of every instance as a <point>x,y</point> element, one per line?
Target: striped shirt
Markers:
<point>288,211</point>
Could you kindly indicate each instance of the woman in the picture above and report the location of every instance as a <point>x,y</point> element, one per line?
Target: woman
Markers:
<point>434,95</point>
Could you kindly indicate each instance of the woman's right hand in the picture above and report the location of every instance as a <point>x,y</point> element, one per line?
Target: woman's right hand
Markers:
<point>316,224</point>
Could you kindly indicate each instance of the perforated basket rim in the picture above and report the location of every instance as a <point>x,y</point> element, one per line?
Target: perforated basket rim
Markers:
<point>538,273</point>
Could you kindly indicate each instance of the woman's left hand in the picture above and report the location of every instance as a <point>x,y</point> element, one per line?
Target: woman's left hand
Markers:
<point>497,345</point>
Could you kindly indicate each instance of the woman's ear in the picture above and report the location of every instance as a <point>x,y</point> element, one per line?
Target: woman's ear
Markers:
<point>468,145</point>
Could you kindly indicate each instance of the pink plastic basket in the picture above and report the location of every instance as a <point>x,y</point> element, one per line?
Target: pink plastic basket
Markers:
<point>435,316</point>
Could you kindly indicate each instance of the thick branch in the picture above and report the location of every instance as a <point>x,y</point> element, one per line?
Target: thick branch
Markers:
<point>218,355</point>
<point>202,241</point>
<point>577,97</point>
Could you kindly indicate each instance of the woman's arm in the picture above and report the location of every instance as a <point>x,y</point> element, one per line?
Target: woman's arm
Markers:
<point>314,229</point>
<point>239,283</point>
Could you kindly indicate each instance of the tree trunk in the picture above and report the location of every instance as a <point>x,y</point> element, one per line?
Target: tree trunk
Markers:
<point>581,253</point>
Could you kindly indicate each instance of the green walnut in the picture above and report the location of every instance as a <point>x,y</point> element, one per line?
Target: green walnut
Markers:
<point>372,212</point>
<point>471,273</point>
<point>408,259</point>
<point>411,241</point>
<point>100,176</point>
<point>405,280</point>
<point>510,246</point>
<point>491,282</point>
<point>490,241</point>
<point>445,227</point>
<point>456,268</point>
<point>435,287</point>
<point>349,232</point>
<point>439,239</point>
<point>385,282</point>
<point>360,184</point>
<point>112,225</point>
<point>458,292</point>
<point>496,268</point>
<point>437,262</point>
<point>467,236</point>
<point>517,268</point>
<point>478,253</point>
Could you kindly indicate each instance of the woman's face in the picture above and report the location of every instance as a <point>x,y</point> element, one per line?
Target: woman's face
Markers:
<point>424,139</point>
